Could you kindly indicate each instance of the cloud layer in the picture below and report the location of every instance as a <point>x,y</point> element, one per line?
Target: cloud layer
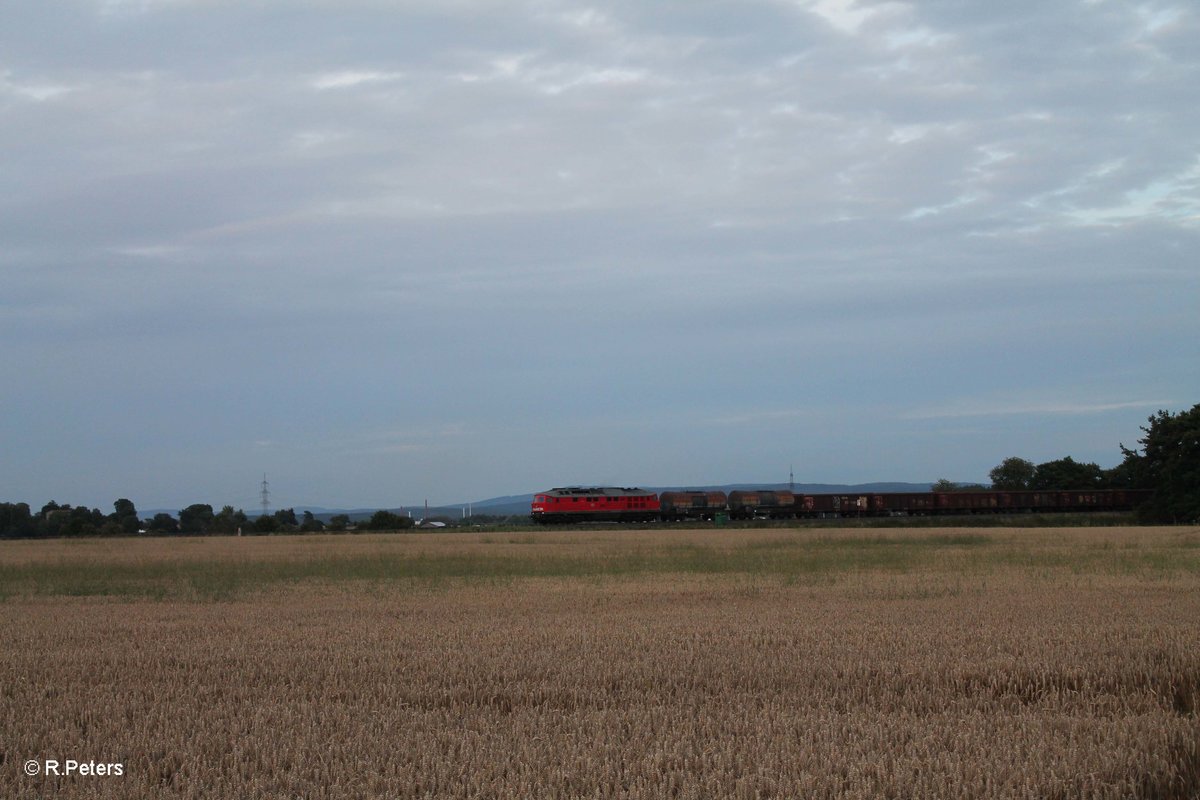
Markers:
<point>389,250</point>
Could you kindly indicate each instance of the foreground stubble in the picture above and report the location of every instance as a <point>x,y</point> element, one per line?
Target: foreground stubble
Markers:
<point>923,684</point>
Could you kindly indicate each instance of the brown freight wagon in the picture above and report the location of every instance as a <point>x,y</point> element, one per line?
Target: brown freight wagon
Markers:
<point>676,506</point>
<point>773,504</point>
<point>899,504</point>
<point>1037,500</point>
<point>820,505</point>
<point>841,505</point>
<point>1027,501</point>
<point>965,502</point>
<point>1100,499</point>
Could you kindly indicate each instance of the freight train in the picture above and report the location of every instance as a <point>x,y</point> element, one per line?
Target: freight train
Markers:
<point>611,504</point>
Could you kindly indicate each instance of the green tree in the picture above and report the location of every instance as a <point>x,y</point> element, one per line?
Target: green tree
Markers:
<point>1067,473</point>
<point>1129,473</point>
<point>162,522</point>
<point>388,521</point>
<point>50,519</point>
<point>196,518</point>
<point>339,522</point>
<point>125,516</point>
<point>286,517</point>
<point>266,524</point>
<point>1012,474</point>
<point>1169,465</point>
<point>944,485</point>
<point>16,521</point>
<point>79,521</point>
<point>311,524</point>
<point>227,520</point>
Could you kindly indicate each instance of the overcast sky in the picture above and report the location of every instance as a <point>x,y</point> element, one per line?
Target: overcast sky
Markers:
<point>452,249</point>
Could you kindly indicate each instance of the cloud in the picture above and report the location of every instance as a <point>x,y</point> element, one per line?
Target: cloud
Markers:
<point>846,16</point>
<point>776,222</point>
<point>986,408</point>
<point>1175,198</point>
<point>347,79</point>
<point>36,91</point>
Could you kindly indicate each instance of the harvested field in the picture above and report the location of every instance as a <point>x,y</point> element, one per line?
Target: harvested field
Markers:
<point>1033,663</point>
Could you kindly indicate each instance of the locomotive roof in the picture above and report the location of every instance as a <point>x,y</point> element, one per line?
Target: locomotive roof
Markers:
<point>609,491</point>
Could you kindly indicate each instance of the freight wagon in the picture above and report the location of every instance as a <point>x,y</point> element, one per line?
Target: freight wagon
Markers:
<point>678,506</point>
<point>769,504</point>
<point>1050,501</point>
<point>981,502</point>
<point>840,505</point>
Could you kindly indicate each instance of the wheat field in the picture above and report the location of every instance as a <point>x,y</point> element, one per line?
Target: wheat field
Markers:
<point>742,664</point>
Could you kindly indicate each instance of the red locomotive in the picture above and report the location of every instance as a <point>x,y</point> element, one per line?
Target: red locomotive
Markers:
<point>595,504</point>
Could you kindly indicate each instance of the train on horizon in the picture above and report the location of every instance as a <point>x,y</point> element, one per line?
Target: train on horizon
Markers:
<point>613,504</point>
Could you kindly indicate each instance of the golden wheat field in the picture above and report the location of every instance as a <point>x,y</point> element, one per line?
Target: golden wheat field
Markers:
<point>743,664</point>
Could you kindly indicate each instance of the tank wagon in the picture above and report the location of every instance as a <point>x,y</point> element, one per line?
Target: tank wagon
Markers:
<point>606,504</point>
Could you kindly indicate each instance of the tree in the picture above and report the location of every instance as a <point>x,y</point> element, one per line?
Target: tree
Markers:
<point>266,524</point>
<point>1012,474</point>
<point>387,521</point>
<point>1067,473</point>
<point>1169,465</point>
<point>227,520</point>
<point>125,516</point>
<point>311,524</point>
<point>78,521</point>
<point>162,523</point>
<point>1129,473</point>
<point>339,522</point>
<point>16,521</point>
<point>945,485</point>
<point>286,519</point>
<point>196,518</point>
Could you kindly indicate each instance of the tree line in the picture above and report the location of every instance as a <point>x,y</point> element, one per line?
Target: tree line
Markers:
<point>1167,464</point>
<point>1016,474</point>
<point>18,521</point>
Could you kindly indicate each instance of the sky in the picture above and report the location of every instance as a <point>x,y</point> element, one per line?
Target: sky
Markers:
<point>388,251</point>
